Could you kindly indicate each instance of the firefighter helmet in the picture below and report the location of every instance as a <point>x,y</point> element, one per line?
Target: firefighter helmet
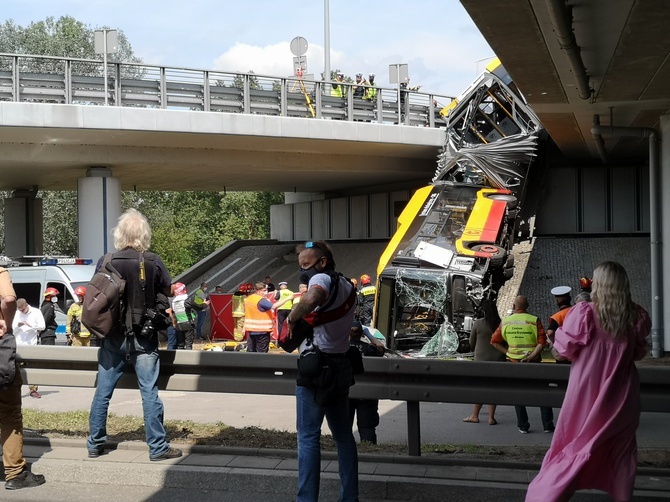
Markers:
<point>365,279</point>
<point>51,292</point>
<point>80,291</point>
<point>585,284</point>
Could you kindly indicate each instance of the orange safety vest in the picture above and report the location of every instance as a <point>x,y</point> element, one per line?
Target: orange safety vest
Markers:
<point>254,319</point>
<point>559,316</point>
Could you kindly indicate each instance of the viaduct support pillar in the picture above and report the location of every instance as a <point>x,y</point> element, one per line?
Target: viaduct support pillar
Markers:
<point>23,224</point>
<point>98,209</point>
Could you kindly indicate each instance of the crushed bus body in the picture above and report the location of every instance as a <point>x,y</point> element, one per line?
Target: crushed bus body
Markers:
<point>454,237</point>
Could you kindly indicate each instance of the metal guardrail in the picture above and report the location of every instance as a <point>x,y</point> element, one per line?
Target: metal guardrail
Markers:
<point>50,79</point>
<point>410,380</point>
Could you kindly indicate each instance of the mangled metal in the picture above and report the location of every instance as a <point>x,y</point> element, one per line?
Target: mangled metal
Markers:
<point>454,238</point>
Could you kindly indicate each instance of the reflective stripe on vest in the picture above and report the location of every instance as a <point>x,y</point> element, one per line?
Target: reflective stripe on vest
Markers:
<point>254,319</point>
<point>368,290</point>
<point>520,333</point>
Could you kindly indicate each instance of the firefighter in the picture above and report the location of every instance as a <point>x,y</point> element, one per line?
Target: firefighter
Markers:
<point>238,309</point>
<point>285,296</point>
<point>366,300</point>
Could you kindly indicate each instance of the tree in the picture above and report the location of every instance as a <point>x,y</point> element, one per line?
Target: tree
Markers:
<point>64,37</point>
<point>253,82</point>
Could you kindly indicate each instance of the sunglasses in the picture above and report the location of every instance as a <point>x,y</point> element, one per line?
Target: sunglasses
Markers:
<point>313,245</point>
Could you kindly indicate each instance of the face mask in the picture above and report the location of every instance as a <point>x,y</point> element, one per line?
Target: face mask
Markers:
<point>204,289</point>
<point>54,299</point>
<point>308,273</point>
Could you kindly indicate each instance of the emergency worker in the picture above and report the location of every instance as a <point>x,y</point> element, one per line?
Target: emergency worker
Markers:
<point>48,308</point>
<point>359,90</point>
<point>366,300</point>
<point>563,300</point>
<point>77,334</point>
<point>337,88</point>
<point>28,324</point>
<point>285,296</point>
<point>521,338</point>
<point>258,320</point>
<point>238,309</point>
<point>370,93</point>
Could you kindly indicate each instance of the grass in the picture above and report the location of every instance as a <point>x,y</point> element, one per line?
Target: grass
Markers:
<point>74,424</point>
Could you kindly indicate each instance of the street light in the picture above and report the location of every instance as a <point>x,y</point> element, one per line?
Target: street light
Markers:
<point>326,40</point>
<point>106,41</point>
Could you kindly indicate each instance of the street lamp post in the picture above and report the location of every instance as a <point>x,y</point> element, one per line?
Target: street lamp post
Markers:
<point>106,41</point>
<point>326,41</point>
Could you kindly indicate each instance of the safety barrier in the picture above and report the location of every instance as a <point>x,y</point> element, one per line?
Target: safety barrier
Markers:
<point>396,379</point>
<point>50,79</point>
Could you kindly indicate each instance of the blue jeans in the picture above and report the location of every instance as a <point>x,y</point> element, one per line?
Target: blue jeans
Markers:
<point>111,363</point>
<point>201,320</point>
<point>309,420</point>
<point>171,338</point>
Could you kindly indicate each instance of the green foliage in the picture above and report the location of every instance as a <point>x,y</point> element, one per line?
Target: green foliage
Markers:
<point>187,226</point>
<point>64,37</point>
<point>238,82</point>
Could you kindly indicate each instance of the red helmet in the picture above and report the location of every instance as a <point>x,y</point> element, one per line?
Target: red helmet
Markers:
<point>248,288</point>
<point>179,288</point>
<point>365,279</point>
<point>80,291</point>
<point>585,284</point>
<point>51,292</point>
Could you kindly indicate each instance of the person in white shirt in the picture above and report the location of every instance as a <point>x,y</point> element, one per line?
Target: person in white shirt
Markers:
<point>27,325</point>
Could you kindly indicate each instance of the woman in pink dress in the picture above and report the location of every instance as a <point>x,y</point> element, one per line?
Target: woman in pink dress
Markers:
<point>594,445</point>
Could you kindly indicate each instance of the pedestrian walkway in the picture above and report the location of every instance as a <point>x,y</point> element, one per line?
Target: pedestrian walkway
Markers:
<point>207,473</point>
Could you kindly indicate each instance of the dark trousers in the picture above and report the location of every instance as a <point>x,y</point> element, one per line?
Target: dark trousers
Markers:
<point>367,417</point>
<point>546,413</point>
<point>47,340</point>
<point>185,339</point>
<point>258,342</point>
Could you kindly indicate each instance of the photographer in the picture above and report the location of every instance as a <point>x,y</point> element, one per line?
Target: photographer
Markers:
<point>146,276</point>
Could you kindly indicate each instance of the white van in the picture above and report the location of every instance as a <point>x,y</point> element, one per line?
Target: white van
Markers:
<point>65,274</point>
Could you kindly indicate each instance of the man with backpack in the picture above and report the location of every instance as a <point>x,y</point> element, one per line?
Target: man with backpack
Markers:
<point>134,340</point>
<point>325,371</point>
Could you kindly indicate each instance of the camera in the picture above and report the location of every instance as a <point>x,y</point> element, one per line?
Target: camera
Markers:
<point>150,323</point>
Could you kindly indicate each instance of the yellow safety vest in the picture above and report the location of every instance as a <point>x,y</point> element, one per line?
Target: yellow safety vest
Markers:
<point>337,92</point>
<point>520,332</point>
<point>283,293</point>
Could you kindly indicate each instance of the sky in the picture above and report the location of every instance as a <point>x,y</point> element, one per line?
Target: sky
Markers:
<point>436,38</point>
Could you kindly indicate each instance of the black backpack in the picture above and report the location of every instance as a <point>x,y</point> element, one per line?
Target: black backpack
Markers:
<point>103,311</point>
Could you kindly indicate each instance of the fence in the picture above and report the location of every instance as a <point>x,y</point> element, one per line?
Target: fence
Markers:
<point>397,379</point>
<point>49,79</point>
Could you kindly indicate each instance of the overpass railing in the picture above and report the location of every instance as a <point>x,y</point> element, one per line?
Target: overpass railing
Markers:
<point>50,79</point>
<point>397,379</point>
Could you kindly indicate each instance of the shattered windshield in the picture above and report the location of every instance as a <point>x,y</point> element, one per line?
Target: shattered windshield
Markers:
<point>423,328</point>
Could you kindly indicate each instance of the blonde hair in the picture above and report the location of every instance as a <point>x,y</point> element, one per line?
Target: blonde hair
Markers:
<point>132,231</point>
<point>611,296</point>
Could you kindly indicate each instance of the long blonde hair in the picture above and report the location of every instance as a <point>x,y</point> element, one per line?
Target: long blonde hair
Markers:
<point>611,296</point>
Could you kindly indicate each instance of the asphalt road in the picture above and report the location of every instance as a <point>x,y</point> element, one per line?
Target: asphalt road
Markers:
<point>441,423</point>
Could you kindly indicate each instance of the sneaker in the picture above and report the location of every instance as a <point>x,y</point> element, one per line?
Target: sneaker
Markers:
<point>550,429</point>
<point>25,480</point>
<point>36,395</point>
<point>95,453</point>
<point>167,454</point>
<point>523,431</point>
